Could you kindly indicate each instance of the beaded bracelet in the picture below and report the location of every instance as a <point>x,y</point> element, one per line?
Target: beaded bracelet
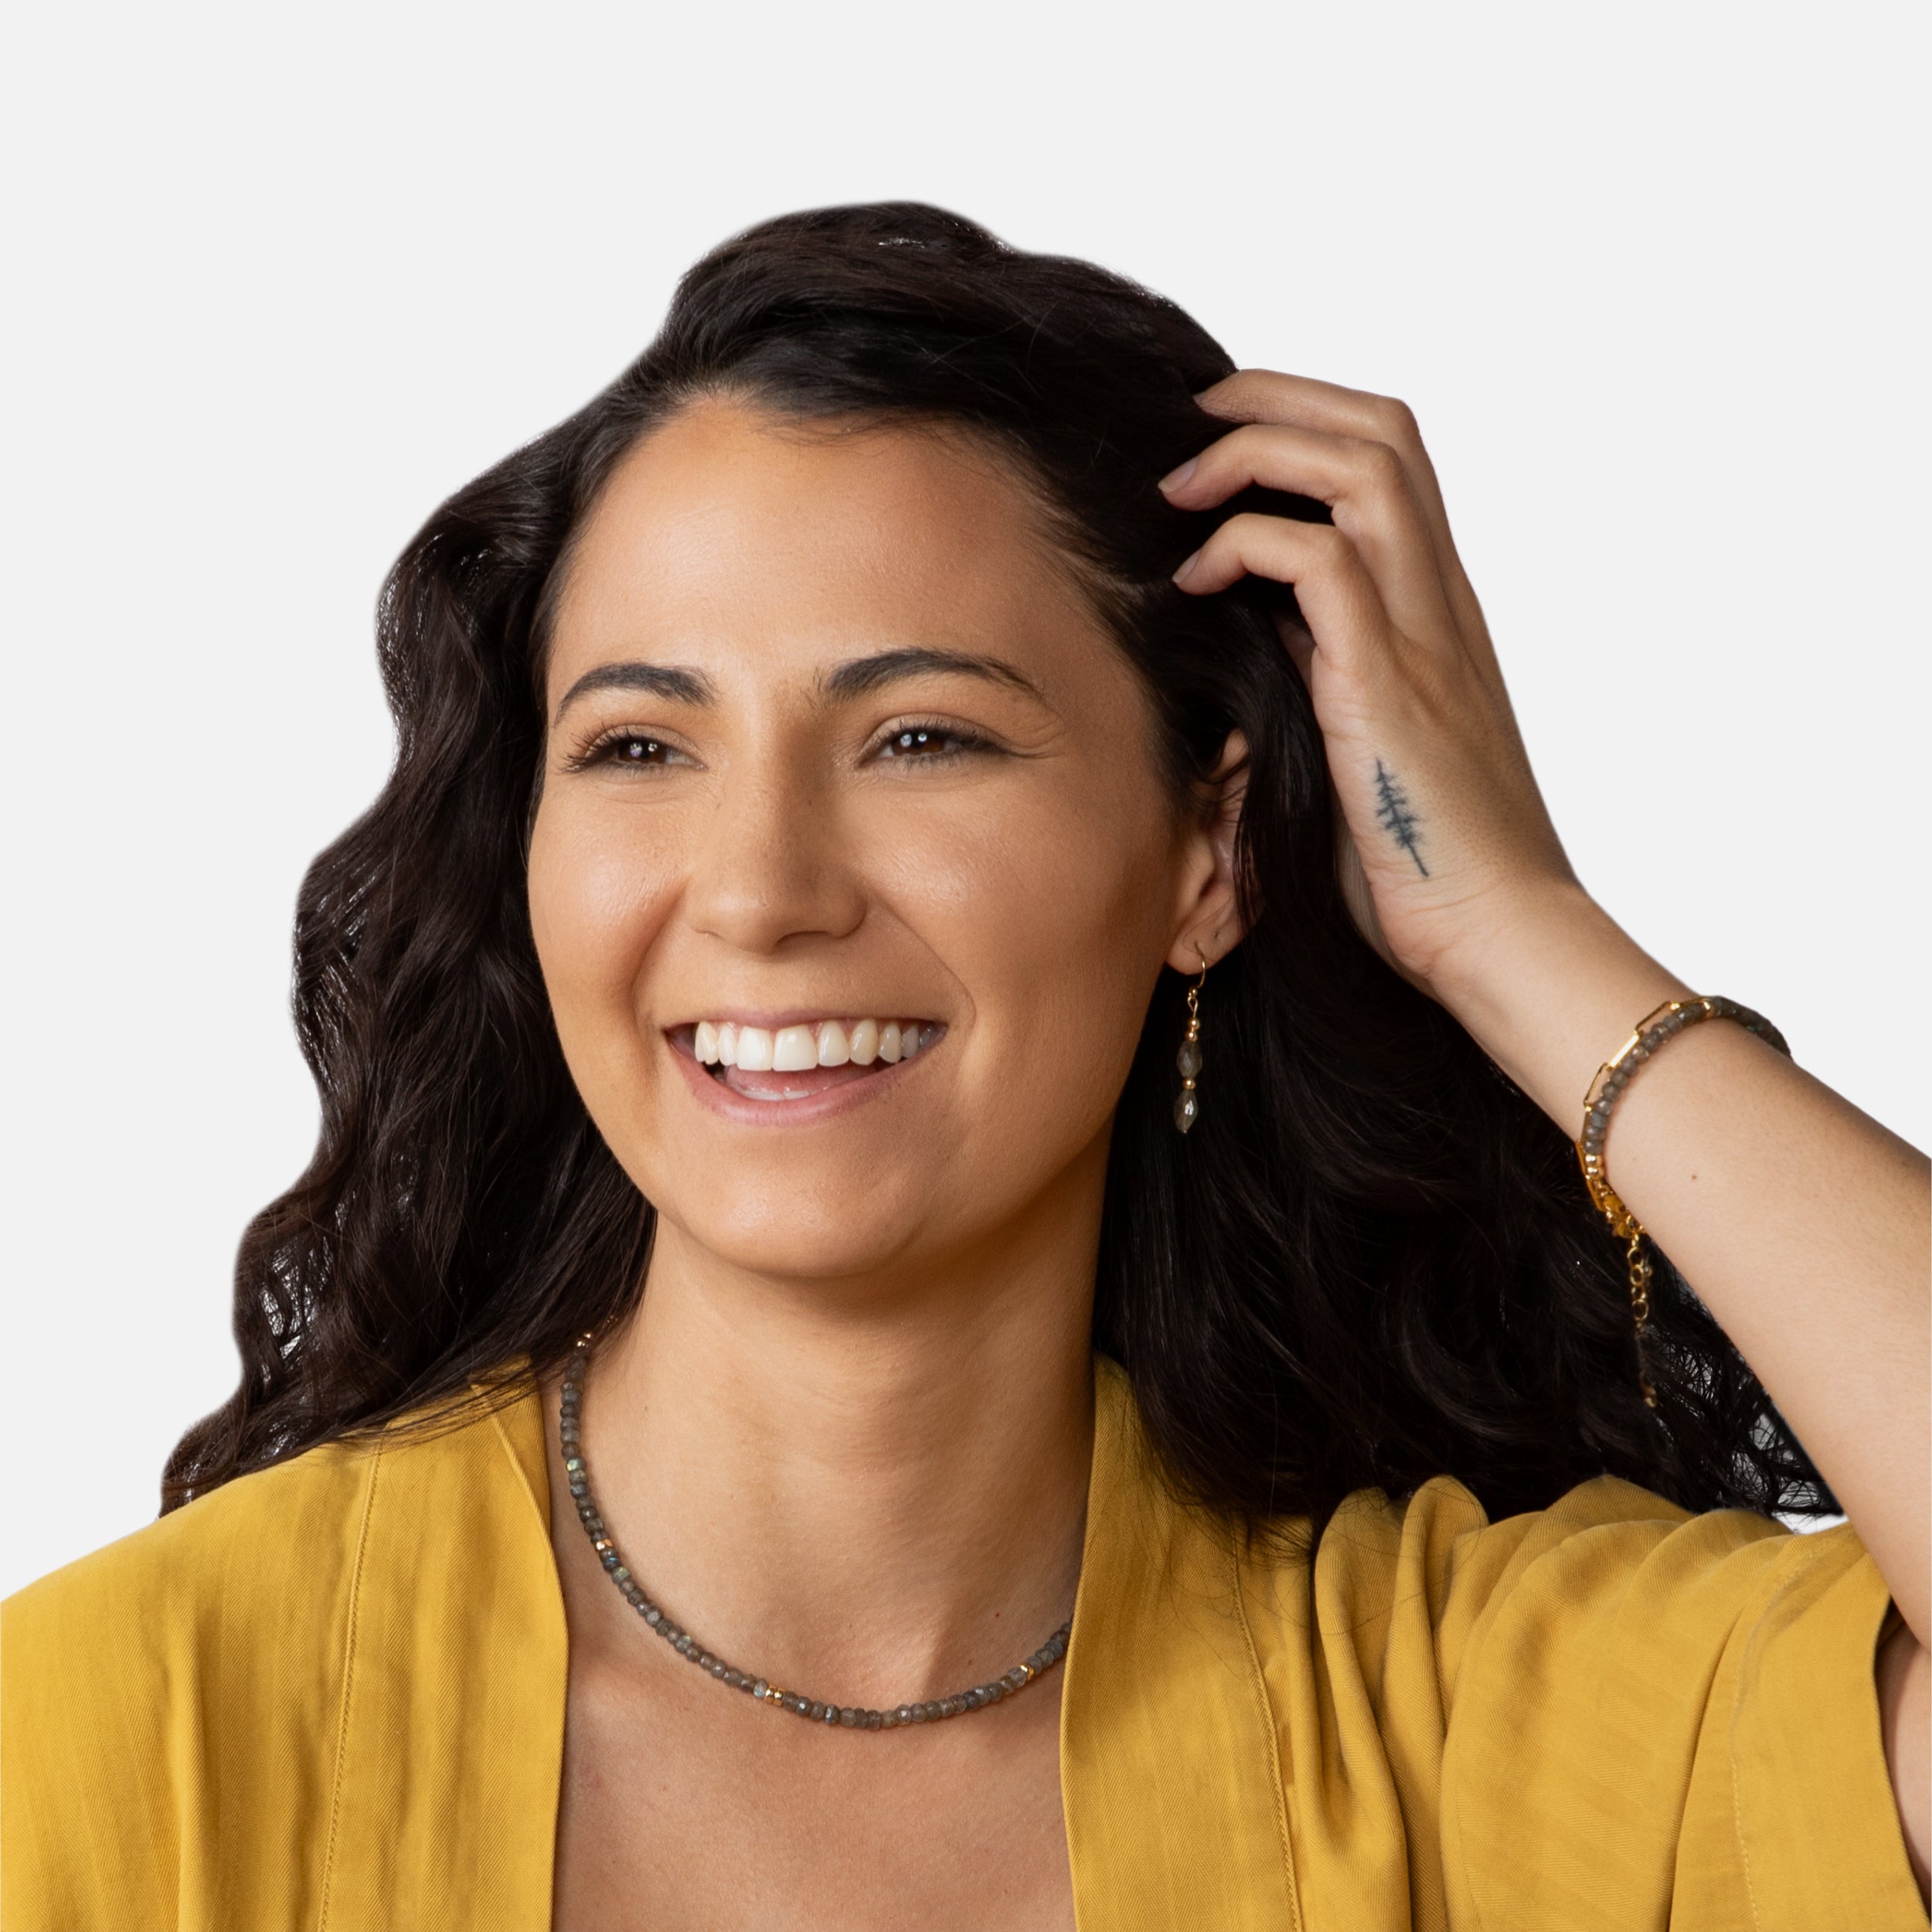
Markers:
<point>1616,1074</point>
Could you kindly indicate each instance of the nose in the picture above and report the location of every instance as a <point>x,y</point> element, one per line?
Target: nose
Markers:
<point>774,866</point>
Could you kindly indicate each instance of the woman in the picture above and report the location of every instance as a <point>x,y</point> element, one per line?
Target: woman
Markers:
<point>961,1013</point>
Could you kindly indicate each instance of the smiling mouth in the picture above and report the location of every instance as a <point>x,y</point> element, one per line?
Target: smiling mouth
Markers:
<point>799,1062</point>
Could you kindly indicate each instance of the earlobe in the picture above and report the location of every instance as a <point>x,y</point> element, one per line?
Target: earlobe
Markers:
<point>1206,944</point>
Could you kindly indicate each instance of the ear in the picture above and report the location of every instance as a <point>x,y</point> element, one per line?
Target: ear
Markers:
<point>1209,925</point>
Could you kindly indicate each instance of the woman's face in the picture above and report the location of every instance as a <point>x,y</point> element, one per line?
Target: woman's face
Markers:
<point>840,760</point>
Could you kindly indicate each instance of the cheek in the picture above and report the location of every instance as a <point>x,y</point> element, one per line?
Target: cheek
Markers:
<point>598,898</point>
<point>1058,925</point>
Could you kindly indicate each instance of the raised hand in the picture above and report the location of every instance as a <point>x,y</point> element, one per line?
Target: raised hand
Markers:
<point>1448,839</point>
<point>1801,1224</point>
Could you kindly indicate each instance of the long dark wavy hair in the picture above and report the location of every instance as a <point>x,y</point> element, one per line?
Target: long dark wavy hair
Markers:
<point>1371,1263</point>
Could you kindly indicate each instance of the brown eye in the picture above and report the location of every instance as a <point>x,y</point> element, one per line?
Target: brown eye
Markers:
<point>630,748</point>
<point>929,741</point>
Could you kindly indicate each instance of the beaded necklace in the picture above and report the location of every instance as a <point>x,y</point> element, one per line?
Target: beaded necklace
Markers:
<point>852,1717</point>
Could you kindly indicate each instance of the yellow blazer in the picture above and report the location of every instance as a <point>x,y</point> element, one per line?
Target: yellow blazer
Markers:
<point>331,1696</point>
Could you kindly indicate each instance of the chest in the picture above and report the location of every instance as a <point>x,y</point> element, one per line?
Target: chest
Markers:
<point>683,1804</point>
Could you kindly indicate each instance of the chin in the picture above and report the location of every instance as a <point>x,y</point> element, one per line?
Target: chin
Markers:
<point>825,1245</point>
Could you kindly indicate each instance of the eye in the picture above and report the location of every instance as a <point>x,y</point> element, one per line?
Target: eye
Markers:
<point>926,742</point>
<point>628,749</point>
<point>637,751</point>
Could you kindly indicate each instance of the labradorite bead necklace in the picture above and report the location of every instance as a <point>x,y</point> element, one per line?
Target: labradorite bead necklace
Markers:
<point>850,1716</point>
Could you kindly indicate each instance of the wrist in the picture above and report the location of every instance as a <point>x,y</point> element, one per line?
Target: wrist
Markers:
<point>1550,993</point>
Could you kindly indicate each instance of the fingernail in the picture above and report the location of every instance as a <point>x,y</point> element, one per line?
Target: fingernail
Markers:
<point>1187,568</point>
<point>1175,478</point>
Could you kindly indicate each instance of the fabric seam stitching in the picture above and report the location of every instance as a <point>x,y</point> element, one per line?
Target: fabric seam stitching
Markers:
<point>1274,1749</point>
<point>497,1413</point>
<point>348,1674</point>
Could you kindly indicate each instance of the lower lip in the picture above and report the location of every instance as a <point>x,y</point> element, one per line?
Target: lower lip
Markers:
<point>805,1110</point>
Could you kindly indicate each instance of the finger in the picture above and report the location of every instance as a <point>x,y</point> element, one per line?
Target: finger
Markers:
<point>1339,601</point>
<point>1272,396</point>
<point>1268,395</point>
<point>1365,483</point>
<point>1265,395</point>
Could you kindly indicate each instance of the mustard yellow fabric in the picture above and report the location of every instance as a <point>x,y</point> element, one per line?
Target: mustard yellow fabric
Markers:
<point>331,1696</point>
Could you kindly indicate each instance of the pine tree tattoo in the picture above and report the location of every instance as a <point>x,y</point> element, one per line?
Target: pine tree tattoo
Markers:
<point>1393,813</point>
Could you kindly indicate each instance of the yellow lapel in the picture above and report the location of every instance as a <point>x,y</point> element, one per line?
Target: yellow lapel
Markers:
<point>1174,1812</point>
<point>450,1748</point>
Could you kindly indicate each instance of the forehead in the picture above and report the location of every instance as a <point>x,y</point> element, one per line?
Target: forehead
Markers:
<point>729,531</point>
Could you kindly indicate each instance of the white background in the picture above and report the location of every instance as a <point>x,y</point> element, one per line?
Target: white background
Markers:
<point>282,278</point>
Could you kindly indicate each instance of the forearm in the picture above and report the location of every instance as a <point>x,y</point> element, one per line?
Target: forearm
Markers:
<point>1802,1224</point>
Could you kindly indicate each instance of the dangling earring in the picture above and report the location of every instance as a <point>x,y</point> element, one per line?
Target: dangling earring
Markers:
<point>1187,1106</point>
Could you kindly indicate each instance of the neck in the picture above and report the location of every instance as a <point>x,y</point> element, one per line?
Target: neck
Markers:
<point>875,1484</point>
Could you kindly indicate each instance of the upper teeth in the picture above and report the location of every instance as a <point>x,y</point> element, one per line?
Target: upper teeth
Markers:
<point>792,1050</point>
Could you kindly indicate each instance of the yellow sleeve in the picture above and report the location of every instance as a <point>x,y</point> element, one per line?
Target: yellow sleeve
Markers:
<point>1603,1715</point>
<point>1654,1719</point>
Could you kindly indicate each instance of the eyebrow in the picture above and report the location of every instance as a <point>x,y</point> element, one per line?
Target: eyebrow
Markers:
<point>852,679</point>
<point>670,681</point>
<point>861,675</point>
